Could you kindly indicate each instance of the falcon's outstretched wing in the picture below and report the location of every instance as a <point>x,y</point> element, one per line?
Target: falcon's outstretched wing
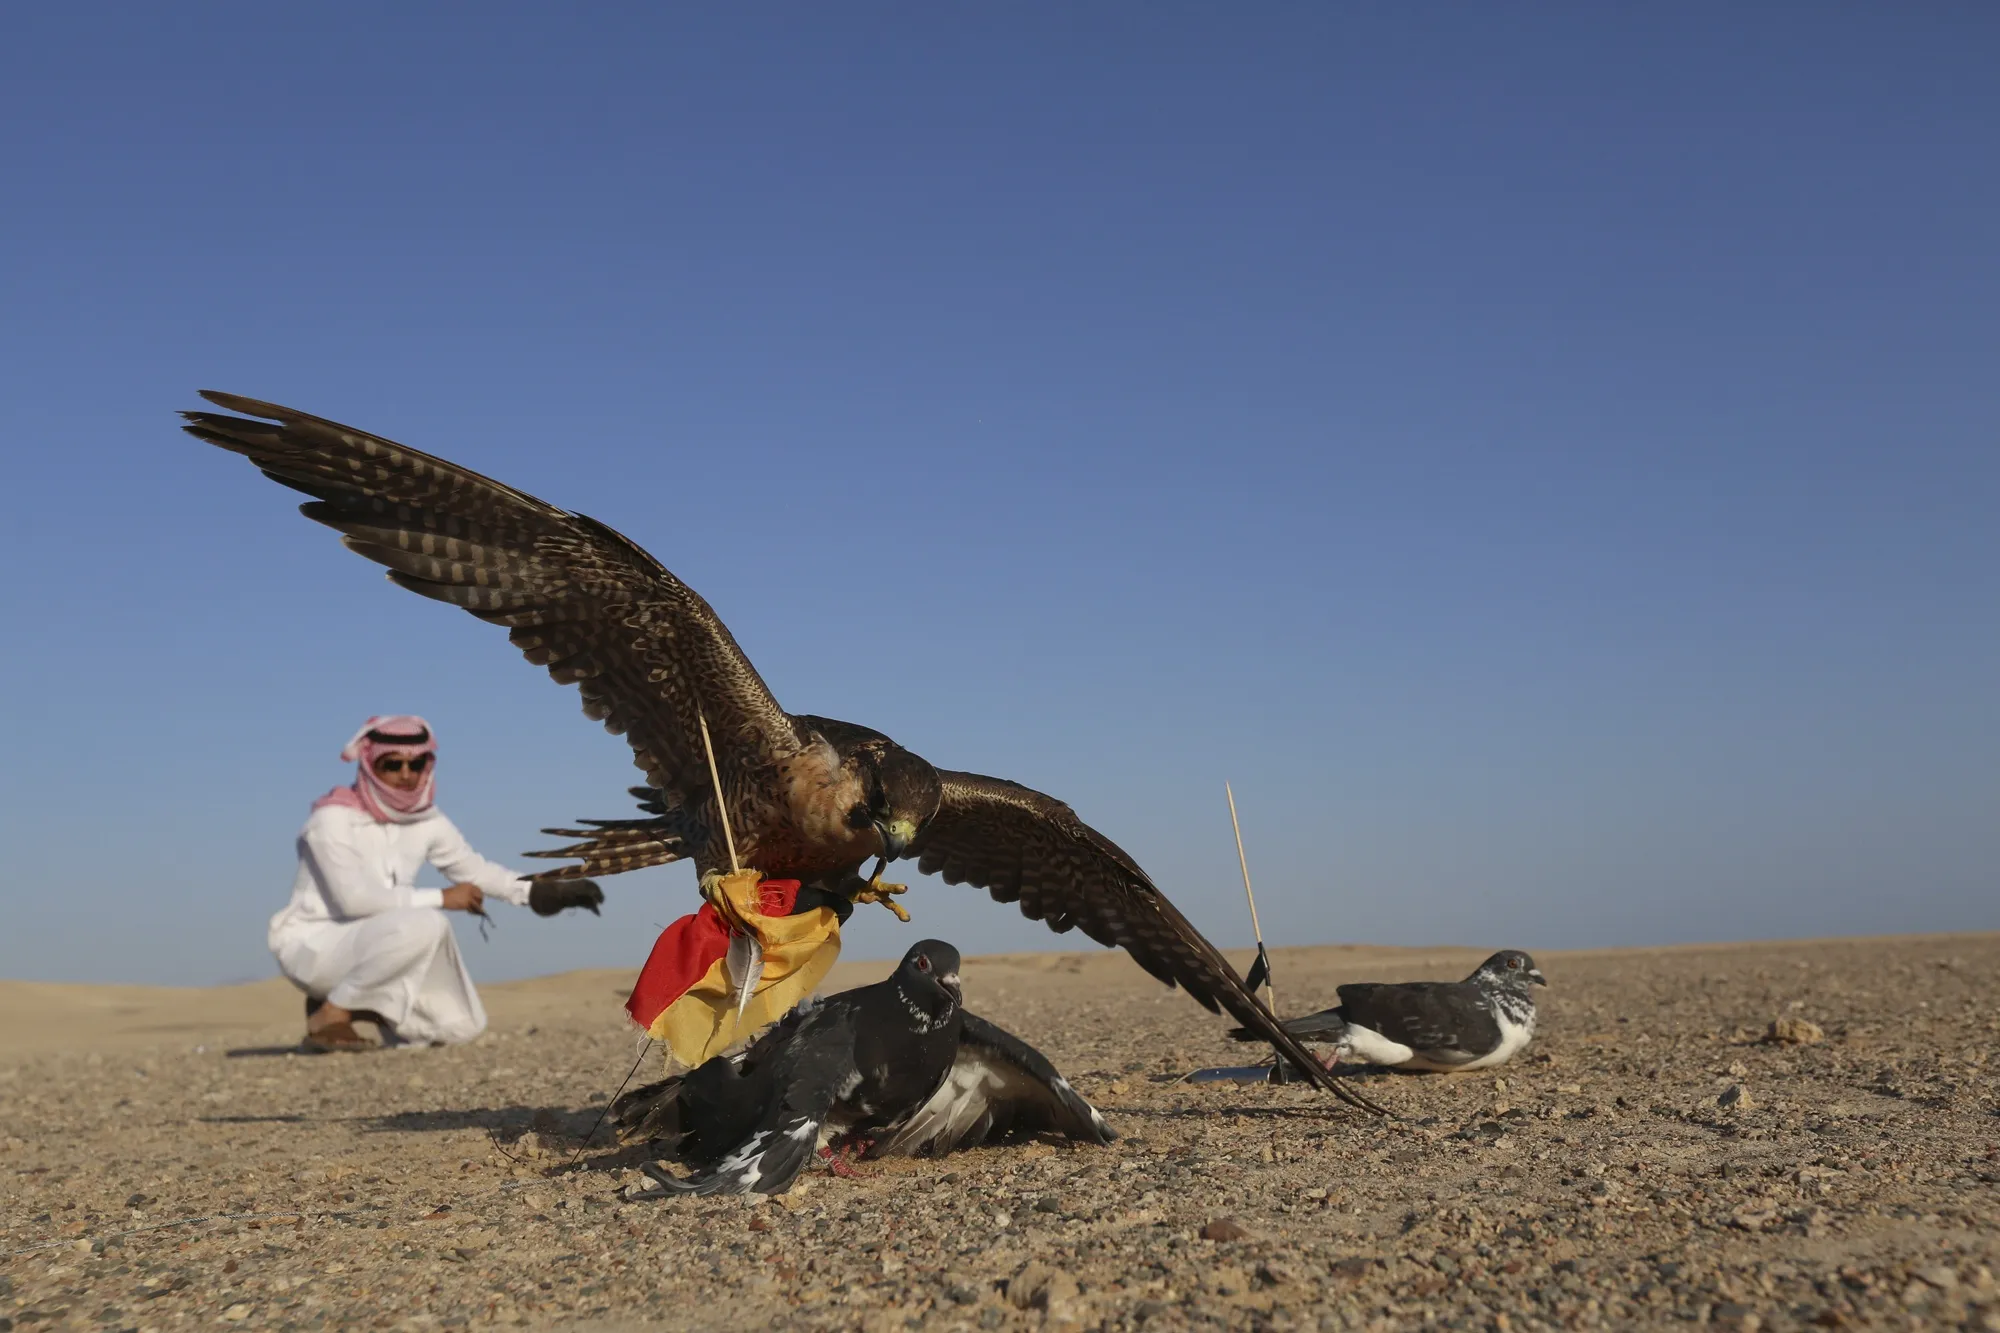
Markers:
<point>578,598</point>
<point>1022,846</point>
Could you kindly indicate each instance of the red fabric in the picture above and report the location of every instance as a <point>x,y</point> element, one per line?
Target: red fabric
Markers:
<point>688,948</point>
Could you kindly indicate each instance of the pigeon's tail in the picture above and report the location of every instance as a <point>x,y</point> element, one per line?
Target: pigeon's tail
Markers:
<point>1327,1025</point>
<point>652,1112</point>
<point>766,1163</point>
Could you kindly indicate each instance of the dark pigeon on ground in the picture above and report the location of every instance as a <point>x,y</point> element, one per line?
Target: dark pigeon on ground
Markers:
<point>1482,1021</point>
<point>894,1068</point>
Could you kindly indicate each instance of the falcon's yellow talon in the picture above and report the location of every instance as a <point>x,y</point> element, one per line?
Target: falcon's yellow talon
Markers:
<point>879,891</point>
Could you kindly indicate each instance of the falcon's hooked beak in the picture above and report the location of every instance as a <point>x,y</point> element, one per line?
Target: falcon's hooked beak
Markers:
<point>896,836</point>
<point>1535,975</point>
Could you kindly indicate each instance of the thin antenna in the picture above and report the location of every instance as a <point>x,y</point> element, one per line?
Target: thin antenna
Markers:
<point>608,1105</point>
<point>721,803</point>
<point>752,966</point>
<point>1263,958</point>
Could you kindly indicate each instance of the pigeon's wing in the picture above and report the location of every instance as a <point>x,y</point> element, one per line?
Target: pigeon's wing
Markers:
<point>1326,1025</point>
<point>1022,846</point>
<point>578,598</point>
<point>809,1073</point>
<point>997,1085</point>
<point>1423,1015</point>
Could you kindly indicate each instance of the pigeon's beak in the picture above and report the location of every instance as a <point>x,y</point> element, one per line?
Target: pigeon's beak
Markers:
<point>896,835</point>
<point>1535,975</point>
<point>949,980</point>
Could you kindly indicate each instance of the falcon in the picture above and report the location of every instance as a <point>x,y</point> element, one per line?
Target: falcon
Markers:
<point>804,798</point>
<point>1485,1020</point>
<point>899,1068</point>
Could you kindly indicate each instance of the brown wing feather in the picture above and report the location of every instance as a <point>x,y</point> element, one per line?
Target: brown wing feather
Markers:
<point>1024,847</point>
<point>583,601</point>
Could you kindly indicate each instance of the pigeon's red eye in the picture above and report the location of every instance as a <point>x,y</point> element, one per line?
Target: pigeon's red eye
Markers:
<point>923,963</point>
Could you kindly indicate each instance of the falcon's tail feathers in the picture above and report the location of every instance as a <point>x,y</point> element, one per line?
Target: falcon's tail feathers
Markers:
<point>612,847</point>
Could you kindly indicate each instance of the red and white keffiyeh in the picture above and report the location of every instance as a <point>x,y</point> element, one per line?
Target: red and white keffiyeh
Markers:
<point>399,734</point>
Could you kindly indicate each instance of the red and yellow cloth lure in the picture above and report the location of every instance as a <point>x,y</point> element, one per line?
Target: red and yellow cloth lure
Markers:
<point>691,994</point>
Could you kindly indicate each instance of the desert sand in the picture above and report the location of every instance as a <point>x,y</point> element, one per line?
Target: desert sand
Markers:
<point>1650,1161</point>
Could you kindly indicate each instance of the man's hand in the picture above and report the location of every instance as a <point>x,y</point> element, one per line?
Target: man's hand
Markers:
<point>464,898</point>
<point>549,896</point>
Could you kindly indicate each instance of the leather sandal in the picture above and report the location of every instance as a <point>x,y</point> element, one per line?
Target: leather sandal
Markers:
<point>335,1037</point>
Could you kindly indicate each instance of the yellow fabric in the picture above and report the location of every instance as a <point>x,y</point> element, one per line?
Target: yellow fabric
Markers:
<point>798,951</point>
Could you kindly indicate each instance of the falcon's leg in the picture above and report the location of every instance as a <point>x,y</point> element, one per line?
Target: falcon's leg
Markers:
<point>721,888</point>
<point>879,890</point>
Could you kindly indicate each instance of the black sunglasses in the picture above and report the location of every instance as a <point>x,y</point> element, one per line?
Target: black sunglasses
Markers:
<point>394,764</point>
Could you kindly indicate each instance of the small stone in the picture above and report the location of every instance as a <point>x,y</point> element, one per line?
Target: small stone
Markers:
<point>1048,1203</point>
<point>237,1312</point>
<point>1944,1279</point>
<point>1794,1032</point>
<point>1753,1219</point>
<point>961,1294</point>
<point>1040,1287</point>
<point>1274,1274</point>
<point>1352,1268</point>
<point>1735,1097</point>
<point>1003,1219</point>
<point>1225,1228</point>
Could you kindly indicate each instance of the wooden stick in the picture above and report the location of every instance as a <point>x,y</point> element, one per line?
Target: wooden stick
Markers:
<point>721,802</point>
<point>1269,987</point>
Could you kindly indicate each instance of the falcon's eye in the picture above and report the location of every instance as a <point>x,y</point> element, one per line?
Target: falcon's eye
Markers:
<point>858,817</point>
<point>923,963</point>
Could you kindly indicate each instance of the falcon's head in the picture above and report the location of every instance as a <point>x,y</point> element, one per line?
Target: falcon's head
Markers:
<point>1511,969</point>
<point>903,792</point>
<point>928,980</point>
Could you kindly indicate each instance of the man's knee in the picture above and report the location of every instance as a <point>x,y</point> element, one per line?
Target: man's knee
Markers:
<point>427,923</point>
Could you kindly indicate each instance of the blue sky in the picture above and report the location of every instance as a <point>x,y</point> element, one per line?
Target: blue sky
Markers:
<point>1545,460</point>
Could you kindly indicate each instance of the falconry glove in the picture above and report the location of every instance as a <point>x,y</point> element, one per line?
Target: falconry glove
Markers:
<point>549,896</point>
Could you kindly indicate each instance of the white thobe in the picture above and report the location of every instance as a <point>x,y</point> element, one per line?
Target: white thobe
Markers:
<point>360,934</point>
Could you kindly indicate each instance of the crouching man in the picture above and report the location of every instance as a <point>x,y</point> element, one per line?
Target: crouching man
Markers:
<point>358,937</point>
